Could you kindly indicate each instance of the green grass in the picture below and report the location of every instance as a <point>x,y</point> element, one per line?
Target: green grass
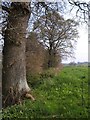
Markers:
<point>62,96</point>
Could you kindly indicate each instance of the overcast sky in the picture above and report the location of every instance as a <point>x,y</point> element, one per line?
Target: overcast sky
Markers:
<point>81,52</point>
<point>82,45</point>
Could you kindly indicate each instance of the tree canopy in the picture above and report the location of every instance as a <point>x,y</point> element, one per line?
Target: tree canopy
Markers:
<point>56,33</point>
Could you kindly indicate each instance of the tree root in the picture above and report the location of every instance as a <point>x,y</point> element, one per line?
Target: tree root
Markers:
<point>29,96</point>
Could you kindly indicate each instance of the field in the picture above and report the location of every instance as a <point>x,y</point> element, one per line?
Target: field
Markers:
<point>64,95</point>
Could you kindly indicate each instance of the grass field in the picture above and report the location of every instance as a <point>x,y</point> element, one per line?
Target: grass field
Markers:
<point>62,96</point>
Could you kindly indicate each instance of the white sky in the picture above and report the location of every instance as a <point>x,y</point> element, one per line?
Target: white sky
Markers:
<point>81,52</point>
<point>82,45</point>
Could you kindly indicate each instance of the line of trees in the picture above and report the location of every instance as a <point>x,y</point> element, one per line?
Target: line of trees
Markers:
<point>58,36</point>
<point>55,33</point>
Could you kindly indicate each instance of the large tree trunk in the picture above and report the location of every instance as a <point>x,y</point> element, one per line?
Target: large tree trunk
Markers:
<point>14,65</point>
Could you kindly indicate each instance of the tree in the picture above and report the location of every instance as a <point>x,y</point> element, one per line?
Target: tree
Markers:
<point>35,55</point>
<point>57,35</point>
<point>14,65</point>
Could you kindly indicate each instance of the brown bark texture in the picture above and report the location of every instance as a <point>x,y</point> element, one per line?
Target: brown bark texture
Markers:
<point>14,66</point>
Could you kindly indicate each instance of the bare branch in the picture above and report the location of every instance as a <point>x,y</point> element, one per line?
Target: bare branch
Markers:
<point>82,9</point>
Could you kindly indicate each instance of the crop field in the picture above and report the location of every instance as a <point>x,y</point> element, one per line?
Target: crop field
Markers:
<point>64,95</point>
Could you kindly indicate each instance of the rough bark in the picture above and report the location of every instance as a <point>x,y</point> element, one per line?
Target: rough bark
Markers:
<point>50,61</point>
<point>14,65</point>
<point>53,58</point>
